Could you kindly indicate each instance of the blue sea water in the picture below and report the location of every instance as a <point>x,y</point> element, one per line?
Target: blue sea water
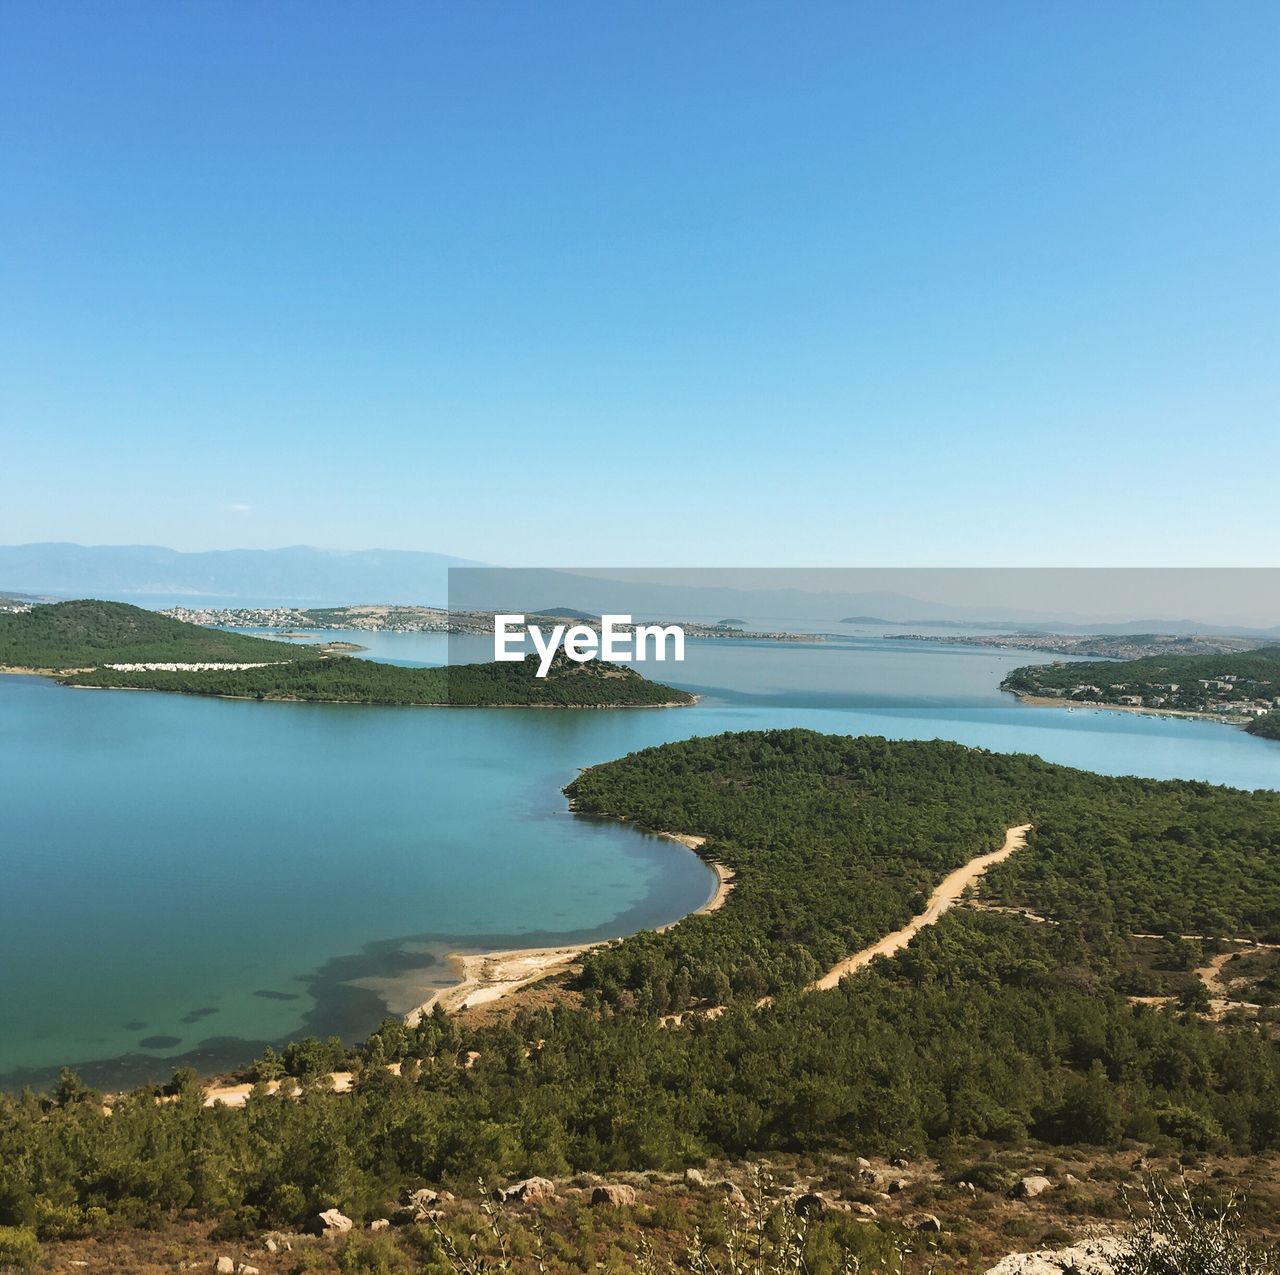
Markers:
<point>188,879</point>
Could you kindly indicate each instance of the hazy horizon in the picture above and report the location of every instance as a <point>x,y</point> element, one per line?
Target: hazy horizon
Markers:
<point>1229,597</point>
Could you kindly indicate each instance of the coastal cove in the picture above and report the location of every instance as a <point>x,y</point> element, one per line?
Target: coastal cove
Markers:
<point>196,878</point>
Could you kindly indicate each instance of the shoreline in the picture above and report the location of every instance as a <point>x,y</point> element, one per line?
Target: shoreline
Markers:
<point>55,675</point>
<point>18,670</point>
<point>485,977</point>
<point>1060,701</point>
<point>367,703</point>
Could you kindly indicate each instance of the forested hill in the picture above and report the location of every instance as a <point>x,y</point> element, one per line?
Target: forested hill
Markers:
<point>88,633</point>
<point>1240,683</point>
<point>350,681</point>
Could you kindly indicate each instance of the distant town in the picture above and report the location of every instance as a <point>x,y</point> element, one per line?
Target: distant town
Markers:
<point>1228,694</point>
<point>1110,646</point>
<point>1239,686</point>
<point>387,618</point>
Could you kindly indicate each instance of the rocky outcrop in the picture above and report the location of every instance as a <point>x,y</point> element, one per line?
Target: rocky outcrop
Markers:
<point>694,1178</point>
<point>614,1195</point>
<point>922,1222</point>
<point>224,1266</point>
<point>332,1222</point>
<point>1029,1188</point>
<point>1091,1257</point>
<point>528,1192</point>
<point>418,1207</point>
<point>812,1204</point>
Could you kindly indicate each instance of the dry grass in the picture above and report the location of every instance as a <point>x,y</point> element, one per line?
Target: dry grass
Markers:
<point>675,1227</point>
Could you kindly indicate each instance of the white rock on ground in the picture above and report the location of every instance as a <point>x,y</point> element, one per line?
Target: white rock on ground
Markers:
<point>614,1195</point>
<point>529,1190</point>
<point>1091,1257</point>
<point>332,1222</point>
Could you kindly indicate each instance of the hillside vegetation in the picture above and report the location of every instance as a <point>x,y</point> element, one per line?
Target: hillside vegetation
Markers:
<point>87,632</point>
<point>1267,727</point>
<point>989,1029</point>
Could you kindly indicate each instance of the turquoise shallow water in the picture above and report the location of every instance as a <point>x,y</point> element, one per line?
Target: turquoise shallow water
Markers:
<point>189,879</point>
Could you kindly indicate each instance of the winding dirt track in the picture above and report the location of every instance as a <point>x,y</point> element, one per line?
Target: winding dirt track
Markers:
<point>949,892</point>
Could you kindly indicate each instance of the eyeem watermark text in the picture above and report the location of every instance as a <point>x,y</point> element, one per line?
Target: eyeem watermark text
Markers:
<point>619,641</point>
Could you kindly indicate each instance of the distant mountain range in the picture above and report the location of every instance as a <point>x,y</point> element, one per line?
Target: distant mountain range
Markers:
<point>1126,628</point>
<point>151,575</point>
<point>303,575</point>
<point>691,595</point>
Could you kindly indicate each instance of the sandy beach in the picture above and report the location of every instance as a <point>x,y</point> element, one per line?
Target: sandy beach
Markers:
<point>484,977</point>
<point>1060,701</point>
<point>19,671</point>
<point>724,877</point>
<point>489,976</point>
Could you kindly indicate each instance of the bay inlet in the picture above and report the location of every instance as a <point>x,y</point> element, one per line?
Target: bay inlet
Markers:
<point>186,880</point>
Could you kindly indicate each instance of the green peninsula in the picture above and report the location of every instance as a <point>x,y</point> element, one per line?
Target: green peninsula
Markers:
<point>112,645</point>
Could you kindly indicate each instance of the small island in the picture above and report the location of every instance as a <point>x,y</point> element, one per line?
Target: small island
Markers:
<point>111,645</point>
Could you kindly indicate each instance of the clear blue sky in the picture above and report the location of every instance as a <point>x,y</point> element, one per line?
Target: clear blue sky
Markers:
<point>704,283</point>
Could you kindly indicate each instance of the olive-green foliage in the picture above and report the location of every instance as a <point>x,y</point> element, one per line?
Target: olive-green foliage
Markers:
<point>88,632</point>
<point>1174,1233</point>
<point>19,1248</point>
